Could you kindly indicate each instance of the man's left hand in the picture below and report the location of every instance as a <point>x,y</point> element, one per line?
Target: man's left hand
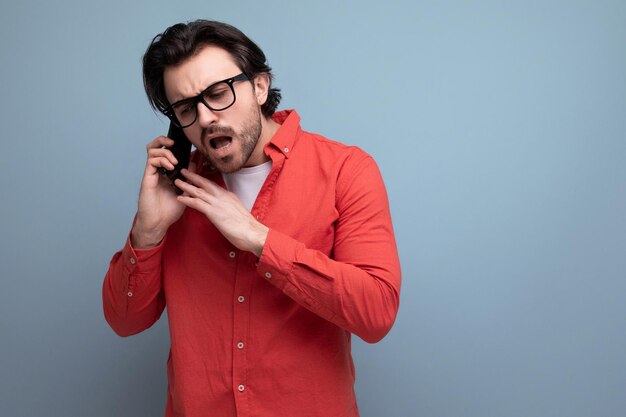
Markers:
<point>224,210</point>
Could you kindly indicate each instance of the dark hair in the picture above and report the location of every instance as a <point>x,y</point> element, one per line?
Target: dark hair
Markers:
<point>183,40</point>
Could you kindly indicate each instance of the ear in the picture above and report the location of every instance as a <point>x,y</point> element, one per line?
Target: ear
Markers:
<point>261,87</point>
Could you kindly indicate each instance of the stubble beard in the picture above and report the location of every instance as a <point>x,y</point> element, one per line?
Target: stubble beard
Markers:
<point>248,137</point>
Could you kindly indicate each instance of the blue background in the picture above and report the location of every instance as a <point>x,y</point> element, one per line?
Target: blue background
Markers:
<point>500,130</point>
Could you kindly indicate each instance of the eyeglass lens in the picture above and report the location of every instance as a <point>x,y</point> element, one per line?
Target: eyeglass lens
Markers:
<point>218,97</point>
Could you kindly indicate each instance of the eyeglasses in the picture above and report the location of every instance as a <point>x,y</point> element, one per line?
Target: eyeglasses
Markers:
<point>217,97</point>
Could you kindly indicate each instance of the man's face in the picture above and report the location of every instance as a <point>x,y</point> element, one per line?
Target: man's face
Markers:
<point>229,137</point>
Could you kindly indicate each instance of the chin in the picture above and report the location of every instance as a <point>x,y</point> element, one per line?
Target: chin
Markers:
<point>227,165</point>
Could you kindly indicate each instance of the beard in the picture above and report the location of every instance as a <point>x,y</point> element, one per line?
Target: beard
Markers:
<point>247,136</point>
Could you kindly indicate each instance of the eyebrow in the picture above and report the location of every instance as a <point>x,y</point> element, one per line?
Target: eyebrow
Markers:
<point>180,100</point>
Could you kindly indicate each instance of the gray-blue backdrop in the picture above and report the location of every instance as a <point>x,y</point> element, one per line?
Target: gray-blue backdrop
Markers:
<point>500,129</point>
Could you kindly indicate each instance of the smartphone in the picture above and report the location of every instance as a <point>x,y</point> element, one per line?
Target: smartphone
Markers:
<point>181,150</point>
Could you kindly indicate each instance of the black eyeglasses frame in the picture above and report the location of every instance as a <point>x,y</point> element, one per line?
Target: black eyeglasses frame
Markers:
<point>169,110</point>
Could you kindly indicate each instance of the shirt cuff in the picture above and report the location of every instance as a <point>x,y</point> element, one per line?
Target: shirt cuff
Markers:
<point>277,258</point>
<point>142,260</point>
<point>279,263</point>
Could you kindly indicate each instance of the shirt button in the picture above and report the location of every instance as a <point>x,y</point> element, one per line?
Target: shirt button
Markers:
<point>241,388</point>
<point>130,294</point>
<point>133,261</point>
<point>268,275</point>
<point>232,254</point>
<point>241,298</point>
<point>240,345</point>
<point>286,149</point>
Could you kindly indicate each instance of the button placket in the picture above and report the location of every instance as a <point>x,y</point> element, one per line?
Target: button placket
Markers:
<point>241,324</point>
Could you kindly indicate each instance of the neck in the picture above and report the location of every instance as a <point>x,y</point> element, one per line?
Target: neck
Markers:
<point>268,129</point>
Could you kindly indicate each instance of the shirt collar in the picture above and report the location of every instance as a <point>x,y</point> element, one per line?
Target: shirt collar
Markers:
<point>285,137</point>
<point>283,141</point>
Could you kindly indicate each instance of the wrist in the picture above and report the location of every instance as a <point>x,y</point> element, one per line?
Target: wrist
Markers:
<point>258,238</point>
<point>143,239</point>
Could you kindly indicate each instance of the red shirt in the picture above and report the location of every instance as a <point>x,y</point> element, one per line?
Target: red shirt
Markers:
<point>270,336</point>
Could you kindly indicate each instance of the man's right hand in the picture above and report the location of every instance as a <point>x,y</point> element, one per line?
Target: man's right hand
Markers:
<point>158,207</point>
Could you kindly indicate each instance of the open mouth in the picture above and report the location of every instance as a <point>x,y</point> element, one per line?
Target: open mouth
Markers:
<point>220,142</point>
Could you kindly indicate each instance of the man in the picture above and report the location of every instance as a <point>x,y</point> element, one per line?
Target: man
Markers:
<point>280,247</point>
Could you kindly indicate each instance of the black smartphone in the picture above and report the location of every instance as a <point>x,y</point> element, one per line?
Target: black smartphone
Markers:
<point>181,150</point>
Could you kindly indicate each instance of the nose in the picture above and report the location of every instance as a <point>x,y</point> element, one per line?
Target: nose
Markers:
<point>206,116</point>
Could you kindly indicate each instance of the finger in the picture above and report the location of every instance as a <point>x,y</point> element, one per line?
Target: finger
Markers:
<point>193,191</point>
<point>161,162</point>
<point>160,142</point>
<point>153,165</point>
<point>194,203</point>
<point>200,181</point>
<point>162,152</point>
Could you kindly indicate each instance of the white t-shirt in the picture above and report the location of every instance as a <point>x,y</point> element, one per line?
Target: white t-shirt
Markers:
<point>247,182</point>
